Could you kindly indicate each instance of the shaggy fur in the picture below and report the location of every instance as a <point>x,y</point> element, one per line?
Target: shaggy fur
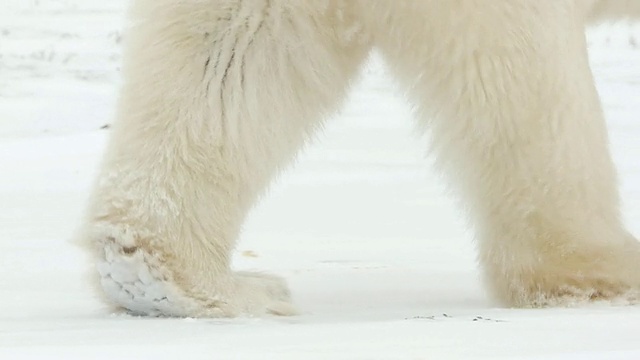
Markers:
<point>220,94</point>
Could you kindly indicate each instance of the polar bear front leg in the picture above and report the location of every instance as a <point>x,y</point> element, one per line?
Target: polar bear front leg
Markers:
<point>517,125</point>
<point>218,95</point>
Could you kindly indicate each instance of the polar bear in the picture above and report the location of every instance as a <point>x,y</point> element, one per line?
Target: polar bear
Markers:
<point>220,94</point>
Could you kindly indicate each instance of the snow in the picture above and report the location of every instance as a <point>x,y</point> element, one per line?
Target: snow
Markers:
<point>377,256</point>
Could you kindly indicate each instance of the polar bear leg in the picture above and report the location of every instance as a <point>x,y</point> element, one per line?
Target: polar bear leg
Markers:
<point>218,95</point>
<point>506,90</point>
<point>611,10</point>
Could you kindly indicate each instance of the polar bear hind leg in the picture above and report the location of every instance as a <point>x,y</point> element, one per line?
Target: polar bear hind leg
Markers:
<point>612,10</point>
<point>218,96</point>
<point>506,90</point>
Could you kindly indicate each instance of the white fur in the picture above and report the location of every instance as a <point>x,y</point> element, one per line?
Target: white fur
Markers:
<point>602,10</point>
<point>220,94</point>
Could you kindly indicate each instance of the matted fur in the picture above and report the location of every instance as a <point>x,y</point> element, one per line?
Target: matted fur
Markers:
<point>220,94</point>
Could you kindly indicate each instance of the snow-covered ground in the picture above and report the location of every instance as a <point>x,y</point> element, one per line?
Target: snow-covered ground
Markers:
<point>376,254</point>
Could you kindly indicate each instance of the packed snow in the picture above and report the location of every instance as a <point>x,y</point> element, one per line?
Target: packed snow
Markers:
<point>374,248</point>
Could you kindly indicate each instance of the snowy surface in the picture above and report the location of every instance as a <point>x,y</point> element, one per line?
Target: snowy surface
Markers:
<point>376,254</point>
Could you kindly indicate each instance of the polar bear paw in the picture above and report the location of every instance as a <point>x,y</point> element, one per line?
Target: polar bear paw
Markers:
<point>143,284</point>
